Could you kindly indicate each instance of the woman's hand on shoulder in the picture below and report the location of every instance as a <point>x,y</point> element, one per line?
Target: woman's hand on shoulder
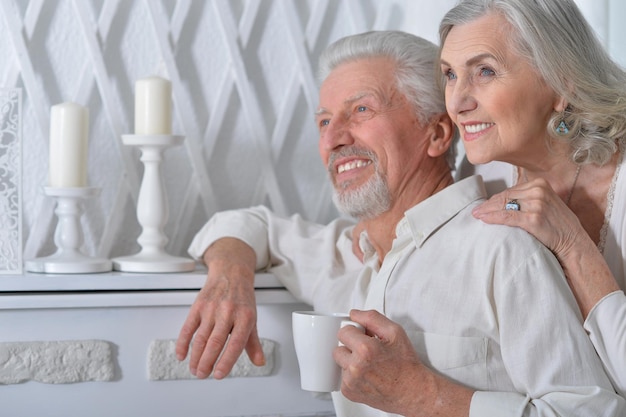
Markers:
<point>541,213</point>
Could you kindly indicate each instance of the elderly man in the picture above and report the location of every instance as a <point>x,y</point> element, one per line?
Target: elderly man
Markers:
<point>463,318</point>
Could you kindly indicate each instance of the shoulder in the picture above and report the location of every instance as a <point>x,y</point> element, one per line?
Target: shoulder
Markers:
<point>497,175</point>
<point>502,245</point>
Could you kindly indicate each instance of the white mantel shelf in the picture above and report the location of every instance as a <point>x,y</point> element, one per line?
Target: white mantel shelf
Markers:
<point>119,289</point>
<point>115,281</point>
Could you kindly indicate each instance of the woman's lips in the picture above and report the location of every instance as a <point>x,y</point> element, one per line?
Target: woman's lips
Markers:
<point>474,130</point>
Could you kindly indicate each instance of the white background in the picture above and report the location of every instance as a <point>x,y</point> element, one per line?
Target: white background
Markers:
<point>244,91</point>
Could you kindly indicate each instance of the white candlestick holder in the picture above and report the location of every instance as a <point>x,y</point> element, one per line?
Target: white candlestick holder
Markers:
<point>152,211</point>
<point>68,237</point>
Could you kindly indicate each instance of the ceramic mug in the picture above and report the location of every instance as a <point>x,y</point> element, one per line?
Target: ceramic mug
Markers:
<point>315,338</point>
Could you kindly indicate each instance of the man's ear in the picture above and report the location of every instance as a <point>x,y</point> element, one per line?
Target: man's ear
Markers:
<point>442,131</point>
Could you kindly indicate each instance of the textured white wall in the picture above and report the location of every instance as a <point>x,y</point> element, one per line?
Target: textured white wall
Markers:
<point>244,91</point>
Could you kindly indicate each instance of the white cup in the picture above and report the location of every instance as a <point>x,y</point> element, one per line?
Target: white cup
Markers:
<point>315,338</point>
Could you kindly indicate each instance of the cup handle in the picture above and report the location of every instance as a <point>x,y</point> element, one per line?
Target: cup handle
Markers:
<point>345,323</point>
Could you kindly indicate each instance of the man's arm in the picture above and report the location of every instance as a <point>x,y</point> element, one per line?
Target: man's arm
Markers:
<point>223,316</point>
<point>291,248</point>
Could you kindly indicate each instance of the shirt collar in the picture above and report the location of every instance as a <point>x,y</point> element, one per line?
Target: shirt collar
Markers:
<point>426,217</point>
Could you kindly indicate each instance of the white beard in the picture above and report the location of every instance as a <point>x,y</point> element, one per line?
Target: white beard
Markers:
<point>367,201</point>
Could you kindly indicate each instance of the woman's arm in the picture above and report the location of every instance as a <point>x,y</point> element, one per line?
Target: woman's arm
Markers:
<point>544,215</point>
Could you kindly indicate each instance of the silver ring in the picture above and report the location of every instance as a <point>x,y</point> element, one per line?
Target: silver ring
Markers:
<point>512,205</point>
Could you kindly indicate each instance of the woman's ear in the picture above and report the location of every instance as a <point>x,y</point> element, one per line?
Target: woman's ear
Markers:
<point>442,132</point>
<point>560,104</point>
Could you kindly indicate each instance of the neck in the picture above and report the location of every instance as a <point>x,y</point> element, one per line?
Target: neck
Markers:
<point>562,179</point>
<point>381,230</point>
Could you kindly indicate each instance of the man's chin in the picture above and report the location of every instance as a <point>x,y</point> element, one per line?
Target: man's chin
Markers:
<point>346,186</point>
<point>355,206</point>
<point>362,200</point>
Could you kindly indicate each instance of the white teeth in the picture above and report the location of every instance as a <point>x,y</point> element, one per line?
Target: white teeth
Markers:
<point>477,128</point>
<point>352,165</point>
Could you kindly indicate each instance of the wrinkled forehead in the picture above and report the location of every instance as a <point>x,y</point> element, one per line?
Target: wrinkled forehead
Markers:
<point>490,33</point>
<point>363,78</point>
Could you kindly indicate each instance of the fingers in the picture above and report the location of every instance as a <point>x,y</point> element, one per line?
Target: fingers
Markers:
<point>354,340</point>
<point>255,349</point>
<point>350,335</point>
<point>531,200</point>
<point>356,237</point>
<point>206,347</point>
<point>527,195</point>
<point>375,324</point>
<point>186,334</point>
<point>356,249</point>
<point>505,207</point>
<point>498,203</point>
<point>232,348</point>
<point>219,338</point>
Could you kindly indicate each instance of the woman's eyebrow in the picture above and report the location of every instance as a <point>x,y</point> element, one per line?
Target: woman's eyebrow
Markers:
<point>472,61</point>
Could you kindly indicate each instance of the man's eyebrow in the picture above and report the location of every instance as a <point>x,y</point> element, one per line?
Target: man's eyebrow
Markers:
<point>358,96</point>
<point>322,111</point>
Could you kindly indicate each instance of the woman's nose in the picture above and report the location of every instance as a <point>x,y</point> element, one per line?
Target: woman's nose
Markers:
<point>460,98</point>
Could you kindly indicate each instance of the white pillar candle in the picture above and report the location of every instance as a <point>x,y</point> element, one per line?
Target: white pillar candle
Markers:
<point>69,130</point>
<point>153,106</point>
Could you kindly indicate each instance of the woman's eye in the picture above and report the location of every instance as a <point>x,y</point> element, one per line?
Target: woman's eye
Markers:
<point>449,75</point>
<point>487,72</point>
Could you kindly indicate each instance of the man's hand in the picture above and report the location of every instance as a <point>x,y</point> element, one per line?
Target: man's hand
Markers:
<point>356,237</point>
<point>222,319</point>
<point>382,369</point>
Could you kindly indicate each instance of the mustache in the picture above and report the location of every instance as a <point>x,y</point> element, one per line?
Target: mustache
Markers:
<point>348,152</point>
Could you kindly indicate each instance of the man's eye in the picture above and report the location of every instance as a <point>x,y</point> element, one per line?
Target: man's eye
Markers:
<point>324,122</point>
<point>361,109</point>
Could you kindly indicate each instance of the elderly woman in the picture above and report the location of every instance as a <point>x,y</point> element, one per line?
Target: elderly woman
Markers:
<point>528,84</point>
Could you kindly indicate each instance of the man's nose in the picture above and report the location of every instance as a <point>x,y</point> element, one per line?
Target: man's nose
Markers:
<point>336,134</point>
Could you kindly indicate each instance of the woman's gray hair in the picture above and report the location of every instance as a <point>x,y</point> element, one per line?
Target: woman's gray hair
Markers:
<point>554,37</point>
<point>416,67</point>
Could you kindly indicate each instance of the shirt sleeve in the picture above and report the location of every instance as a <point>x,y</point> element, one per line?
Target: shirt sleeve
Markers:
<point>606,325</point>
<point>249,225</point>
<point>296,251</point>
<point>547,354</point>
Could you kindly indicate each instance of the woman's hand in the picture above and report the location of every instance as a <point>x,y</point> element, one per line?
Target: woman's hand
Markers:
<point>542,213</point>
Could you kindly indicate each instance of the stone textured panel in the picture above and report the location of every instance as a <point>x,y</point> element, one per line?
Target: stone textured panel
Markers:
<point>56,362</point>
<point>163,364</point>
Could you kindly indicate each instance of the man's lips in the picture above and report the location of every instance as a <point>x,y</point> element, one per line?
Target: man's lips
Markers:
<point>353,164</point>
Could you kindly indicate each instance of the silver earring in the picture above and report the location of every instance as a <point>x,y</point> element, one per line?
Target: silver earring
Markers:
<point>562,128</point>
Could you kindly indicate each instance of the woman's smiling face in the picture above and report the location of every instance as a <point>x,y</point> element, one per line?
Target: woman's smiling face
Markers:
<point>500,104</point>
